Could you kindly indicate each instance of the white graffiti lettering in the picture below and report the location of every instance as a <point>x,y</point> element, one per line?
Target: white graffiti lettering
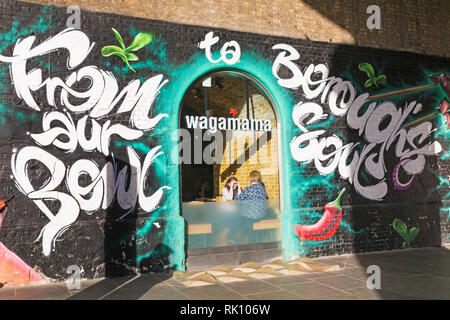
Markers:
<point>106,184</point>
<point>210,40</point>
<point>59,129</point>
<point>379,124</point>
<point>102,95</point>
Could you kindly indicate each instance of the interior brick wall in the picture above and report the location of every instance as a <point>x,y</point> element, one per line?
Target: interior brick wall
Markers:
<point>265,159</point>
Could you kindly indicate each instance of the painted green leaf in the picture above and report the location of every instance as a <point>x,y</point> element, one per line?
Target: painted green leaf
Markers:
<point>400,227</point>
<point>110,50</point>
<point>367,68</point>
<point>122,56</point>
<point>114,50</point>
<point>128,64</point>
<point>413,233</point>
<point>132,57</point>
<point>405,244</point>
<point>140,41</point>
<point>381,79</point>
<point>368,83</point>
<point>119,38</point>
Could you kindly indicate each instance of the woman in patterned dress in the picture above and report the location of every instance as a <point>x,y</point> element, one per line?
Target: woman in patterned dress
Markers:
<point>255,196</point>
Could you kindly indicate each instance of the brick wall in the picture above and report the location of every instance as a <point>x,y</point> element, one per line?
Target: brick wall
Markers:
<point>114,241</point>
<point>420,26</point>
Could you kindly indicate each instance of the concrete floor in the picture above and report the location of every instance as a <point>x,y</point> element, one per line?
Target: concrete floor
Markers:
<point>405,274</point>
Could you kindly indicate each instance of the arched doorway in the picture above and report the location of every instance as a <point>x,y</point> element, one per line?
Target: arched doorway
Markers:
<point>229,128</point>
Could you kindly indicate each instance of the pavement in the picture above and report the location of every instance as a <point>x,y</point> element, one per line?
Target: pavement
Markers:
<point>409,274</point>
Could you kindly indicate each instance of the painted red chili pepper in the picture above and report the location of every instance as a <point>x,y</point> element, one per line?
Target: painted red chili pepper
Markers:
<point>327,225</point>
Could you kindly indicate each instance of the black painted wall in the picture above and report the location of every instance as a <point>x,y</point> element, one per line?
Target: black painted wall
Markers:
<point>104,246</point>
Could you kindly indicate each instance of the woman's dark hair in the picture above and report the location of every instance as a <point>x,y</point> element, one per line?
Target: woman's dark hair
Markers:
<point>227,184</point>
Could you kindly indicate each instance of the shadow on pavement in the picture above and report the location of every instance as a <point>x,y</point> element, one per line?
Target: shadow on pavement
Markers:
<point>409,274</point>
<point>412,274</point>
<point>123,288</point>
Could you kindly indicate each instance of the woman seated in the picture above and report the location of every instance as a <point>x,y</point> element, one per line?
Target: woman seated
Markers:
<point>255,197</point>
<point>232,189</point>
<point>256,190</point>
<point>205,191</point>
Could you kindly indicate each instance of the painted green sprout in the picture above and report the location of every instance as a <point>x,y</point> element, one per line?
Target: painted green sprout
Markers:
<point>373,80</point>
<point>401,228</point>
<point>140,41</point>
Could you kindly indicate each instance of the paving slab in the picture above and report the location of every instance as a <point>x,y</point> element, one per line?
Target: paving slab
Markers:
<point>278,281</point>
<point>137,287</point>
<point>311,290</point>
<point>364,293</point>
<point>341,282</point>
<point>339,296</point>
<point>344,262</point>
<point>355,273</point>
<point>42,292</point>
<point>277,295</point>
<point>163,292</point>
<point>317,275</point>
<point>211,292</point>
<point>252,287</point>
<point>7,294</point>
<point>98,289</point>
<point>418,287</point>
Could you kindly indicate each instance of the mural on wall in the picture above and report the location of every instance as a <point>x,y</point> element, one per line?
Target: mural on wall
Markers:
<point>336,131</point>
<point>384,127</point>
<point>102,96</point>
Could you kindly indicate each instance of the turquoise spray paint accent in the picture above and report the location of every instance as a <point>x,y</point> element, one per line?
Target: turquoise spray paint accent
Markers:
<point>140,146</point>
<point>444,184</point>
<point>444,134</point>
<point>156,48</point>
<point>350,230</point>
<point>39,27</point>
<point>321,124</point>
<point>347,75</point>
<point>446,209</point>
<point>46,65</point>
<point>9,38</point>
